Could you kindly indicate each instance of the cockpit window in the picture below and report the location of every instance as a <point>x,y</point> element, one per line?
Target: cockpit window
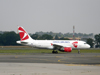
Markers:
<point>85,43</point>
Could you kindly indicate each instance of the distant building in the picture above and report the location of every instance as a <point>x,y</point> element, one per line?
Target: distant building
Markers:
<point>77,38</point>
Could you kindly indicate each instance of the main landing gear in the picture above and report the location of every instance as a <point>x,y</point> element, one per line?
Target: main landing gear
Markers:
<point>54,51</point>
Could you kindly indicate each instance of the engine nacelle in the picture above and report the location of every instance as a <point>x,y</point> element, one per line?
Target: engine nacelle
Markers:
<point>66,49</point>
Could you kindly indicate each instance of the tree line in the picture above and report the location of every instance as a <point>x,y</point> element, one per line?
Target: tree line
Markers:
<point>65,34</point>
<point>94,42</point>
<point>10,38</point>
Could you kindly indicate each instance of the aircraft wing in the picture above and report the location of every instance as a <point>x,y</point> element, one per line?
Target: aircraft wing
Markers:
<point>58,46</point>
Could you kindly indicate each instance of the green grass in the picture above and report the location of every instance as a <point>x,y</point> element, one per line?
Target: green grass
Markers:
<point>87,51</point>
<point>43,51</point>
<point>26,49</point>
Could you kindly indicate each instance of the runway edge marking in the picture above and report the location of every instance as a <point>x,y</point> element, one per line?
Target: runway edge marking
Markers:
<point>81,65</point>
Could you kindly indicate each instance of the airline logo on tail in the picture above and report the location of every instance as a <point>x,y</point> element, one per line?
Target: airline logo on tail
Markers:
<point>23,34</point>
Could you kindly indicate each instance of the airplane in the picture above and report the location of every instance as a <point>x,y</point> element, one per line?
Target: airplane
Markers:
<point>55,45</point>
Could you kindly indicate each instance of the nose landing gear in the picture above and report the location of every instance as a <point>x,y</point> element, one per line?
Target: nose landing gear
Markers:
<point>78,51</point>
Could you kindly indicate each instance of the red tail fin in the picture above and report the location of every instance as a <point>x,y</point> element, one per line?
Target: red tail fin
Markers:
<point>23,34</point>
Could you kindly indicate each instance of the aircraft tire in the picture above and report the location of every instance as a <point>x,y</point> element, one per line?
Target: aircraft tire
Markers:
<point>78,51</point>
<point>55,52</point>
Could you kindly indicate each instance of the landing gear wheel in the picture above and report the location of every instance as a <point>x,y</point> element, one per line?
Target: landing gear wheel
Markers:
<point>78,51</point>
<point>54,51</point>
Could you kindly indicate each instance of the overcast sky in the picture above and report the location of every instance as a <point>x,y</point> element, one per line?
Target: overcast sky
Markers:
<point>50,15</point>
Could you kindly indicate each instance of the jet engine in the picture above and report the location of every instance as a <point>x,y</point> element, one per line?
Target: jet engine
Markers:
<point>66,49</point>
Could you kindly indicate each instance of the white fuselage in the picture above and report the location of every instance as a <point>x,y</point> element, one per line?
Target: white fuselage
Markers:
<point>48,43</point>
<point>61,45</point>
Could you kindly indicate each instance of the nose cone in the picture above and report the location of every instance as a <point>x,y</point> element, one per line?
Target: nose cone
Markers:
<point>88,46</point>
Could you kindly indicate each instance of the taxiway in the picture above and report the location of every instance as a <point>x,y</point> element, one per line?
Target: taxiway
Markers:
<point>50,64</point>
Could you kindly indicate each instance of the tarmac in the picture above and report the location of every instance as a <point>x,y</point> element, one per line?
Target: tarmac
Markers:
<point>50,64</point>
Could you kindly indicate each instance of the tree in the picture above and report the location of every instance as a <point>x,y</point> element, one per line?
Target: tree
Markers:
<point>63,38</point>
<point>35,36</point>
<point>97,39</point>
<point>9,38</point>
<point>90,42</point>
<point>56,37</point>
<point>46,36</point>
<point>0,39</point>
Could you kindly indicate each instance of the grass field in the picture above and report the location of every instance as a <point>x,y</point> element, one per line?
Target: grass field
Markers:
<point>25,49</point>
<point>45,51</point>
